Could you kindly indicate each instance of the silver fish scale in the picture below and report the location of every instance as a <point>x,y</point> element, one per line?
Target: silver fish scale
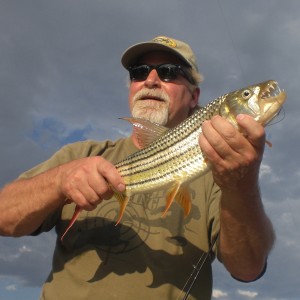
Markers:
<point>175,156</point>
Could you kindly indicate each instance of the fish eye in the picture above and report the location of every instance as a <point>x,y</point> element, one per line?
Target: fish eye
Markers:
<point>246,94</point>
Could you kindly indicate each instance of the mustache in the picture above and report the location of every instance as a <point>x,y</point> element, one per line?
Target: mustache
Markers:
<point>151,93</point>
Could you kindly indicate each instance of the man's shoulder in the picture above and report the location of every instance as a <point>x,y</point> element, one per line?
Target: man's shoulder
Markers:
<point>91,147</point>
<point>86,146</point>
<point>111,150</point>
<point>105,148</point>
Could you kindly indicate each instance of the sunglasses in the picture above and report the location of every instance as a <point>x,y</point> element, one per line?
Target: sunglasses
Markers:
<point>166,72</point>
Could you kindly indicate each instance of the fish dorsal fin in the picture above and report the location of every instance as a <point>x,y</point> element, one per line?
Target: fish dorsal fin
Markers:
<point>146,131</point>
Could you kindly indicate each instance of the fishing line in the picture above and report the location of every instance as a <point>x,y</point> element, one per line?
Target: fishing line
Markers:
<point>196,271</point>
<point>278,118</point>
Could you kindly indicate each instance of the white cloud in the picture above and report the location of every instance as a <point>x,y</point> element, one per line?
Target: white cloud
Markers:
<point>218,294</point>
<point>11,287</point>
<point>266,172</point>
<point>24,249</point>
<point>247,294</point>
<point>122,132</point>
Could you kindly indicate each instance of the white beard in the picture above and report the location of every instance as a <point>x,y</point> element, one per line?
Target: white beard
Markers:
<point>155,111</point>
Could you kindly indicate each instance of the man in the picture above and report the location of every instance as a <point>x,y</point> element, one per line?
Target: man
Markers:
<point>146,256</point>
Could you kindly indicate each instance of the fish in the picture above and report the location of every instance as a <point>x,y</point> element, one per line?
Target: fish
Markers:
<point>171,158</point>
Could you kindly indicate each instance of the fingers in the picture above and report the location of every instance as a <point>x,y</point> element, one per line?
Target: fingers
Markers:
<point>226,141</point>
<point>89,180</point>
<point>253,131</point>
<point>110,173</point>
<point>232,152</point>
<point>220,141</point>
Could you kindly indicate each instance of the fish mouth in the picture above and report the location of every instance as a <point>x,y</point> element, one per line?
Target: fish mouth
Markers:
<point>272,99</point>
<point>271,90</point>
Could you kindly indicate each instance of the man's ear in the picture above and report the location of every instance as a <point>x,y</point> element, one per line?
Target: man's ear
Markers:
<point>195,97</point>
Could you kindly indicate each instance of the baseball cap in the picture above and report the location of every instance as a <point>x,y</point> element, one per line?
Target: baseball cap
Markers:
<point>162,43</point>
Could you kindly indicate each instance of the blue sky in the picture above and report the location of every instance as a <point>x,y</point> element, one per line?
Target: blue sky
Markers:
<point>61,80</point>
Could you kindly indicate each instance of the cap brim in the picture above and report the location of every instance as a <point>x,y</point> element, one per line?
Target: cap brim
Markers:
<point>132,54</point>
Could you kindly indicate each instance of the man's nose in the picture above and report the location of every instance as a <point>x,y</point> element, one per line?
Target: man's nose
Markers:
<point>153,79</point>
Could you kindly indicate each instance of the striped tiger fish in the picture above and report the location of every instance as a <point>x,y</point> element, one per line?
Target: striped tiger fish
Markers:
<point>171,158</point>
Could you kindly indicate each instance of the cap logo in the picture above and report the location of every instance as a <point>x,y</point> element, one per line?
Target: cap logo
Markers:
<point>165,41</point>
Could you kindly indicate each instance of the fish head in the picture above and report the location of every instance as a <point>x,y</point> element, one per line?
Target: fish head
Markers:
<point>262,101</point>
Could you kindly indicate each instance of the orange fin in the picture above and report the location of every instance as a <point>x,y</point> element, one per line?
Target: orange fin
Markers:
<point>146,131</point>
<point>183,198</point>
<point>171,194</point>
<point>269,143</point>
<point>123,201</point>
<point>74,217</point>
<point>181,195</point>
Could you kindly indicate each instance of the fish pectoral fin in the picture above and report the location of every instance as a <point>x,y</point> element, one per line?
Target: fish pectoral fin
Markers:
<point>123,201</point>
<point>181,194</point>
<point>146,131</point>
<point>183,198</point>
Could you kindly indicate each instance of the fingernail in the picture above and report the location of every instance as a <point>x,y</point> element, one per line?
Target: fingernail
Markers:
<point>121,187</point>
<point>240,117</point>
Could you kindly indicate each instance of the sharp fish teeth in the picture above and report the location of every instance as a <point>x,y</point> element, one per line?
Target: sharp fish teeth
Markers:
<point>272,91</point>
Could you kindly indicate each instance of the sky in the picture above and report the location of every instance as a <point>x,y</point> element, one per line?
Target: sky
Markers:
<point>61,80</point>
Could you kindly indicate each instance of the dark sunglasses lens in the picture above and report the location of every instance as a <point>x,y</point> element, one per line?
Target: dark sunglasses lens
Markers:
<point>167,72</point>
<point>139,73</point>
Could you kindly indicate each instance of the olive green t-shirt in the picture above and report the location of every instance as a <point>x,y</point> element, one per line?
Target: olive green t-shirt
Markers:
<point>145,256</point>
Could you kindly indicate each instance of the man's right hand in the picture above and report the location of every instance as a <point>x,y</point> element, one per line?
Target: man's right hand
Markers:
<point>88,181</point>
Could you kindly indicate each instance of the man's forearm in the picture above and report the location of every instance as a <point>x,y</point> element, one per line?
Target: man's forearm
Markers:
<point>25,203</point>
<point>246,234</point>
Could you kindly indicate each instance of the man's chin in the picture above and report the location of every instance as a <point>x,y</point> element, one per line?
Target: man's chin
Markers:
<point>153,111</point>
<point>151,115</point>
